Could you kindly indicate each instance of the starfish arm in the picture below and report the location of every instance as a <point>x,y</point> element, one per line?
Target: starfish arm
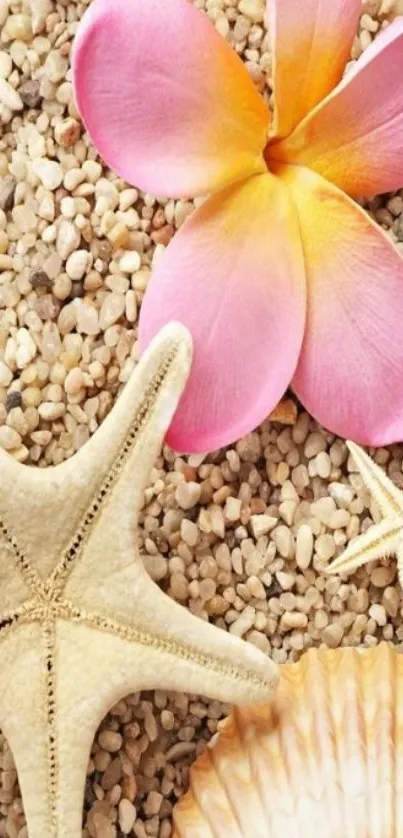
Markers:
<point>99,664</point>
<point>63,500</point>
<point>24,715</point>
<point>388,497</point>
<point>377,542</point>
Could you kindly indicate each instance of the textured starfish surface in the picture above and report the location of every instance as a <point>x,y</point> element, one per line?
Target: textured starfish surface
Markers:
<point>383,539</point>
<point>81,623</point>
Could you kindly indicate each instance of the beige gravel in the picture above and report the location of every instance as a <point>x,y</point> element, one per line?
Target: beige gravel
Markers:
<point>241,537</point>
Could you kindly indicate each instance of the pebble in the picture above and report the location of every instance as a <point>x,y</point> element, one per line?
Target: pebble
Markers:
<point>112,310</point>
<point>50,411</point>
<point>187,495</point>
<point>6,65</point>
<point>68,239</point>
<point>189,532</point>
<point>76,264</point>
<point>304,547</point>
<point>127,816</point>
<point>9,438</point>
<point>9,97</point>
<point>110,741</point>
<point>30,93</point>
<point>49,172</point>
<point>18,27</point>
<point>332,635</point>
<point>262,524</point>
<point>130,262</point>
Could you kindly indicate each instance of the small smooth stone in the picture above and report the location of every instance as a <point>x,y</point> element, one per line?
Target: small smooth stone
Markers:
<point>68,239</point>
<point>112,310</point>
<point>49,172</point>
<point>9,438</point>
<point>304,547</point>
<point>6,65</point>
<point>9,97</point>
<point>76,264</point>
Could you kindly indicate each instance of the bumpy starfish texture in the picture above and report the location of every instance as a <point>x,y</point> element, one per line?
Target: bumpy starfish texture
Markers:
<point>81,623</point>
<point>383,539</point>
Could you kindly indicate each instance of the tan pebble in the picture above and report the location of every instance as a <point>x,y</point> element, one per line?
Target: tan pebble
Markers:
<point>332,635</point>
<point>6,375</point>
<point>383,576</point>
<point>293,620</point>
<point>244,622</point>
<point>127,815</point>
<point>232,510</point>
<point>323,509</point>
<point>391,601</point>
<point>153,803</point>
<point>189,532</point>
<point>339,519</point>
<point>179,586</point>
<point>156,566</point>
<point>167,720</point>
<point>110,740</point>
<point>9,438</point>
<point>304,547</point>
<point>41,437</point>
<point>284,541</point>
<point>112,775</point>
<point>18,27</point>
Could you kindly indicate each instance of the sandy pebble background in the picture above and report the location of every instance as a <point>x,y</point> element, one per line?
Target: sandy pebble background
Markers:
<point>242,536</point>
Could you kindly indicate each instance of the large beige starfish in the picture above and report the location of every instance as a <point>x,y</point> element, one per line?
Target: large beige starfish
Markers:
<point>81,623</point>
<point>383,539</point>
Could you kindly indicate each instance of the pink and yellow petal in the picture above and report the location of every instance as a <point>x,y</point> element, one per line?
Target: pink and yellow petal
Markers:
<point>234,275</point>
<point>311,43</point>
<point>354,138</point>
<point>349,375</point>
<point>166,101</point>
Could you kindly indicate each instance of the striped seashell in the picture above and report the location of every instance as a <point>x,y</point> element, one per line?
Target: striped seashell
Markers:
<point>322,759</point>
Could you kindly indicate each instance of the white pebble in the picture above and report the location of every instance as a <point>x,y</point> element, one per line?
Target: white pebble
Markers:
<point>262,524</point>
<point>6,65</point>
<point>304,547</point>
<point>130,262</point>
<point>49,172</point>
<point>68,238</point>
<point>112,310</point>
<point>9,97</point>
<point>76,264</point>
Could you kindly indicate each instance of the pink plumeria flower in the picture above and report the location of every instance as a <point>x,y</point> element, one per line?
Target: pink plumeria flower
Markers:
<point>280,276</point>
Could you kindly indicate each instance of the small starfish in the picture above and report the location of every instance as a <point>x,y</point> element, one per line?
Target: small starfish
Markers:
<point>81,623</point>
<point>383,539</point>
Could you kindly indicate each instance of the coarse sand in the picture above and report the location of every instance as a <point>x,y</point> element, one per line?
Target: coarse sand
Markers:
<point>242,536</point>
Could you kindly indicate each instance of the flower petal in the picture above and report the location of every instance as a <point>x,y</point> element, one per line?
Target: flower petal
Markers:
<point>350,371</point>
<point>354,138</point>
<point>234,275</point>
<point>311,43</point>
<point>166,101</point>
